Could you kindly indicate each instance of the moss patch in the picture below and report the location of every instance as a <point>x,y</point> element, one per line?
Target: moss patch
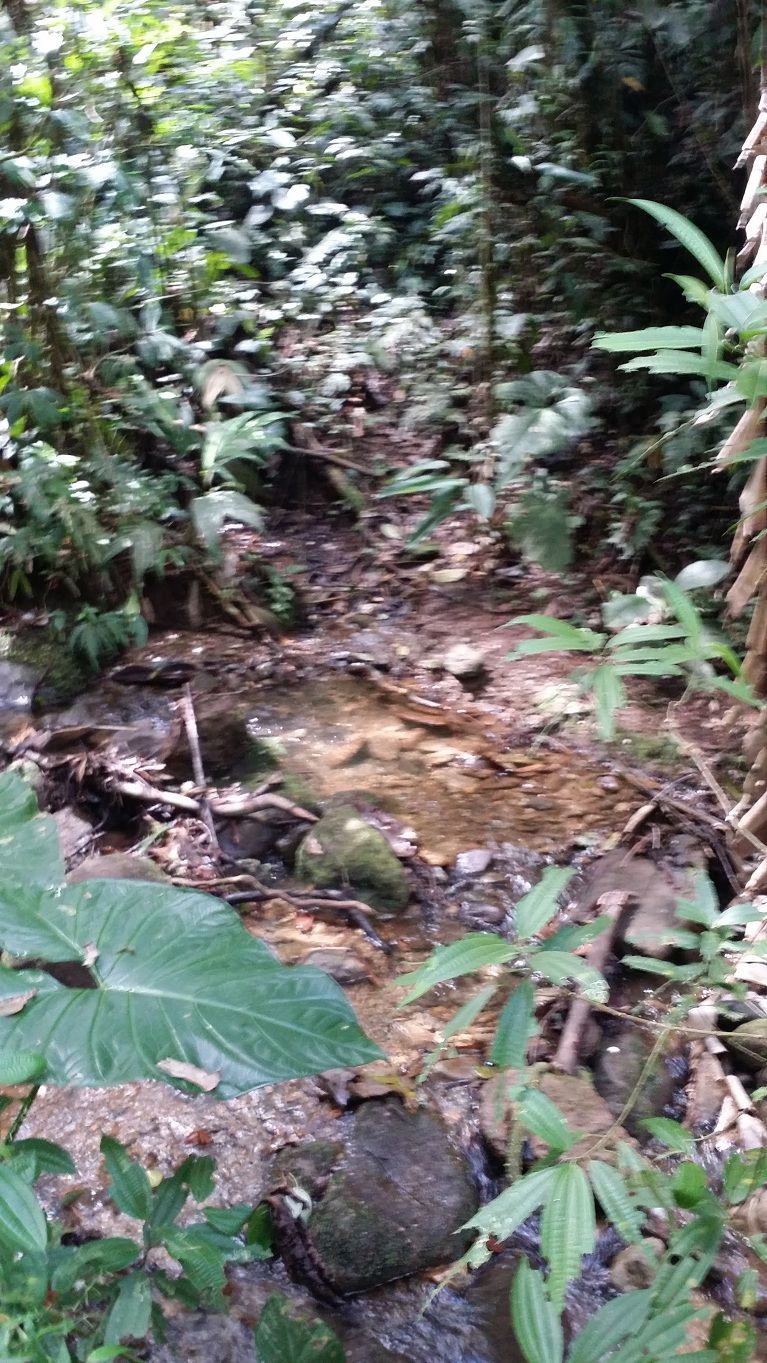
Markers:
<point>345,852</point>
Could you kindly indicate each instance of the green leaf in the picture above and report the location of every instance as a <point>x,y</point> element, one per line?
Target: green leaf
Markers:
<point>704,908</point>
<point>39,1156</point>
<point>569,638</point>
<point>568,1227</point>
<point>689,1185</point>
<point>615,1200</point>
<point>651,338</point>
<point>610,697</point>
<point>178,979</point>
<point>29,842</point>
<point>540,904</point>
<point>131,1313</point>
<point>560,966</point>
<point>93,1260</point>
<point>130,1188</point>
<point>228,1220</point>
<point>619,1319</point>
<point>516,1026</point>
<point>671,1134</point>
<point>21,1067</point>
<point>537,1326</point>
<point>539,1115</point>
<point>474,951</point>
<point>689,236</point>
<point>481,498</point>
<point>694,290</point>
<point>501,1217</point>
<point>283,1336</point>
<point>22,1224</point>
<point>459,1022</point>
<point>682,362</point>
<point>214,509</point>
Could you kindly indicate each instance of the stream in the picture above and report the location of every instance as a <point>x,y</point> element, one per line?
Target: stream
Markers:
<point>483,824</point>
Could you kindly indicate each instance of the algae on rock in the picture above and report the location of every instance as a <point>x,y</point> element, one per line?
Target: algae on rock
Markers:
<point>344,851</point>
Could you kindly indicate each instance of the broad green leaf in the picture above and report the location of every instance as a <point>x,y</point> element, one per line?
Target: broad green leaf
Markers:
<point>683,608</point>
<point>505,1213</point>
<point>177,979</point>
<point>651,338</point>
<point>93,1260</point>
<point>689,236</point>
<point>704,908</point>
<point>694,290</point>
<point>646,634</point>
<point>571,936</point>
<point>481,498</point>
<point>609,697</point>
<point>617,1320</point>
<point>615,1200</point>
<point>542,1118</point>
<point>739,914</point>
<point>682,362</point>
<point>131,1313</point>
<point>568,1227</point>
<point>228,1220</point>
<point>203,1263</point>
<point>516,1026</point>
<point>29,842</point>
<point>21,1067</point>
<point>130,1188</point>
<point>540,904</point>
<point>689,1184</point>
<point>561,966</point>
<point>459,1022</point>
<point>745,313</point>
<point>22,1224</point>
<point>671,1134</point>
<point>537,1326</point>
<point>474,951</point>
<point>283,1336</point>
<point>39,1157</point>
<point>570,638</point>
<point>211,511</point>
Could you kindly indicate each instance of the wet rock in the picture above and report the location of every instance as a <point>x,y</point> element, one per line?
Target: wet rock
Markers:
<point>246,839</point>
<point>343,851</point>
<point>481,913</point>
<point>464,662</point>
<point>749,1044</point>
<point>473,862</point>
<point>635,1266</point>
<point>344,966</point>
<point>308,1166</point>
<point>74,832</point>
<point>39,662</point>
<point>618,1070</point>
<point>579,1103</point>
<point>17,685</point>
<point>116,866</point>
<point>649,922</point>
<point>30,772</point>
<point>396,1202</point>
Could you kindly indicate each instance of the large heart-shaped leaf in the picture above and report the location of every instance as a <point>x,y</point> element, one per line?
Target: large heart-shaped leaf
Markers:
<point>29,842</point>
<point>177,981</point>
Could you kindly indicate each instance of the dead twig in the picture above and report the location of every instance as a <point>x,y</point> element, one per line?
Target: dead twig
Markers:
<point>353,909</point>
<point>239,807</point>
<point>186,705</point>
<point>567,1053</point>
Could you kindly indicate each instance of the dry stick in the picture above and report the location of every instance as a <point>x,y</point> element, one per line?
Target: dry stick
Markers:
<point>354,909</point>
<point>232,808</point>
<point>186,705</point>
<point>568,1051</point>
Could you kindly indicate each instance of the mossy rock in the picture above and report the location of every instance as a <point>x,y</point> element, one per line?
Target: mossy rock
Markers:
<point>342,851</point>
<point>749,1043</point>
<point>60,678</point>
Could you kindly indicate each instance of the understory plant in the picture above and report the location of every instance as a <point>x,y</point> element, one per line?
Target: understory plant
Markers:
<point>667,637</point>
<point>111,981</point>
<point>569,1188</point>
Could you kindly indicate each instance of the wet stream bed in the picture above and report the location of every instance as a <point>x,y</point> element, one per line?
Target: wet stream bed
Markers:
<point>474,825</point>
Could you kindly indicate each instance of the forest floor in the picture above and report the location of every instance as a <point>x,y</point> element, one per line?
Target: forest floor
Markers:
<point>503,763</point>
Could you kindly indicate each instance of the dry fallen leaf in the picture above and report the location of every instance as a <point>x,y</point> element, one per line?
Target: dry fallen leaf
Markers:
<point>179,1069</point>
<point>15,1004</point>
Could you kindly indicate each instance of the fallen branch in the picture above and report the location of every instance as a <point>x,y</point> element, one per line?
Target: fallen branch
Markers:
<point>186,706</point>
<point>353,909</point>
<point>239,807</point>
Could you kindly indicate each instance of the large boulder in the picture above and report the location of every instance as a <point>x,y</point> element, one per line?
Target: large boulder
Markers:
<point>343,851</point>
<point>394,1203</point>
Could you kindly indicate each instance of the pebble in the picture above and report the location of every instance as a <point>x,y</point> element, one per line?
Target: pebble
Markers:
<point>473,862</point>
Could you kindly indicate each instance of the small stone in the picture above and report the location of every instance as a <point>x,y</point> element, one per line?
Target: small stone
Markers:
<point>635,1266</point>
<point>749,1043</point>
<point>473,862</point>
<point>116,866</point>
<point>74,832</point>
<point>342,965</point>
<point>464,662</point>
